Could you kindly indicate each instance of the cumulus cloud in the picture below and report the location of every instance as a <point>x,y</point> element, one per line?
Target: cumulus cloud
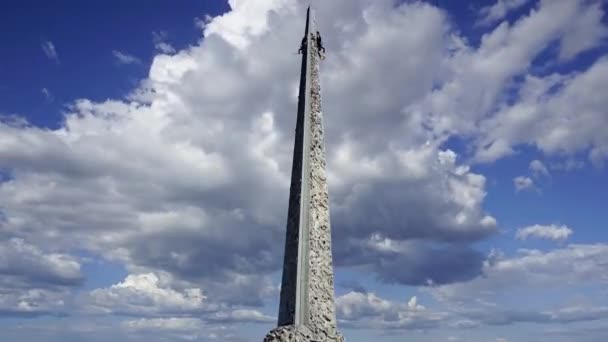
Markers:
<point>32,302</point>
<point>538,168</point>
<point>358,310</point>
<point>177,328</point>
<point>181,175</point>
<point>568,165</point>
<point>95,328</point>
<point>245,21</point>
<point>382,256</point>
<point>497,11</point>
<point>367,310</point>
<point>185,181</point>
<point>523,183</point>
<point>33,281</point>
<point>148,295</point>
<point>384,202</point>
<point>574,265</point>
<point>125,58</point>
<point>242,315</point>
<point>160,42</point>
<point>568,121</point>
<point>493,298</point>
<point>172,323</point>
<point>469,98</point>
<point>24,264</point>
<point>412,304</point>
<point>561,315</point>
<point>145,294</point>
<point>586,33</point>
<point>549,232</point>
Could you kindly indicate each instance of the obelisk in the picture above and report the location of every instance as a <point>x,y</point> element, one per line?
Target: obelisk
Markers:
<point>306,309</point>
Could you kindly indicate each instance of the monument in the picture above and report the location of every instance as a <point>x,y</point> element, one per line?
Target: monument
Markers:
<point>306,309</point>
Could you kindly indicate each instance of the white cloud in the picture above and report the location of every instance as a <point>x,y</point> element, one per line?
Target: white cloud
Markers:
<point>558,114</point>
<point>562,315</point>
<point>35,282</point>
<point>27,264</point>
<point>242,315</point>
<point>475,78</point>
<point>47,95</point>
<point>382,256</point>
<point>160,42</point>
<point>498,11</point>
<point>570,267</point>
<point>32,302</point>
<point>585,33</point>
<point>568,165</point>
<point>412,304</point>
<point>172,323</point>
<point>135,166</point>
<point>367,310</point>
<point>356,304</point>
<point>463,305</point>
<point>538,168</point>
<point>145,294</point>
<point>49,50</point>
<point>523,183</point>
<point>494,298</point>
<point>124,58</point>
<point>470,97</point>
<point>245,20</point>
<point>186,171</point>
<point>550,232</point>
<point>155,297</point>
<point>178,328</point>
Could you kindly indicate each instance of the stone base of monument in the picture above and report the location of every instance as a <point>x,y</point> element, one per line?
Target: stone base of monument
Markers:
<point>301,333</point>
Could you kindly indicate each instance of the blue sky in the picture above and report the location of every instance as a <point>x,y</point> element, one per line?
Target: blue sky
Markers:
<point>84,36</point>
<point>145,155</point>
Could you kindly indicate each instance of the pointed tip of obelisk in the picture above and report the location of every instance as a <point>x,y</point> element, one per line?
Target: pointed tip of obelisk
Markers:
<point>310,13</point>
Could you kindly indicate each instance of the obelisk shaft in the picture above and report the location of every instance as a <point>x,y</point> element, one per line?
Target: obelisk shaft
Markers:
<point>291,303</point>
<point>306,308</point>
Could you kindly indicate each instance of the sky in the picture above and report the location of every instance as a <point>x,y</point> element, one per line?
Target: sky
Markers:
<point>145,159</point>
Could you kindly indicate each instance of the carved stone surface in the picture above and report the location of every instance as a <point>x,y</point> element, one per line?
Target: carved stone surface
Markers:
<point>297,333</point>
<point>289,333</point>
<point>320,276</point>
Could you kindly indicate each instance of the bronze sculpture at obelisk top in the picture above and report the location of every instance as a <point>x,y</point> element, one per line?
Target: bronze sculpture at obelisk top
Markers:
<point>306,309</point>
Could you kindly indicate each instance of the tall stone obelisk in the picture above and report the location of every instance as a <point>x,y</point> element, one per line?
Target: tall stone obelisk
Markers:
<point>306,309</point>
